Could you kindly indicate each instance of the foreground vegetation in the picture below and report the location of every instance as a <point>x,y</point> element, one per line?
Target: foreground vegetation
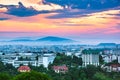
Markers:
<point>75,72</point>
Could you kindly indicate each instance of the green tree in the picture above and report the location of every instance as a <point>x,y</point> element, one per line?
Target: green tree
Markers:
<point>82,74</point>
<point>101,59</point>
<point>90,70</point>
<point>3,53</point>
<point>8,68</point>
<point>4,76</point>
<point>40,68</point>
<point>31,76</point>
<point>77,60</point>
<point>21,58</point>
<point>2,67</point>
<point>100,76</point>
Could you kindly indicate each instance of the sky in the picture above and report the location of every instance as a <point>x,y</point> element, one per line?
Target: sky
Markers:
<point>88,21</point>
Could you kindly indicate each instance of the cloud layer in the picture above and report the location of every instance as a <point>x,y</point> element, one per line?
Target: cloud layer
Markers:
<point>31,10</point>
<point>83,19</point>
<point>1,19</point>
<point>21,11</point>
<point>86,4</point>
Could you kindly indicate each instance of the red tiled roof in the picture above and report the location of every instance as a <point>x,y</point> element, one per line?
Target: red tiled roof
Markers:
<point>115,65</point>
<point>65,68</point>
<point>24,68</point>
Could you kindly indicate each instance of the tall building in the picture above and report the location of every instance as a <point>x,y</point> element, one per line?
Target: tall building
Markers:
<point>118,58</point>
<point>46,59</point>
<point>90,57</point>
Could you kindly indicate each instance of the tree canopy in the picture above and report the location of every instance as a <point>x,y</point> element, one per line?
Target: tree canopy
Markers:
<point>32,76</point>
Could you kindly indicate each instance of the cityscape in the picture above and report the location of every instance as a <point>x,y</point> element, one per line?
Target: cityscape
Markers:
<point>59,39</point>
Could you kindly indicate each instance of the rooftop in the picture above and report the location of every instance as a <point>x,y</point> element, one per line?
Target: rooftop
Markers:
<point>24,68</point>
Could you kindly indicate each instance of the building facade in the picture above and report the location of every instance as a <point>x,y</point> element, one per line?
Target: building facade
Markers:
<point>90,58</point>
<point>46,59</point>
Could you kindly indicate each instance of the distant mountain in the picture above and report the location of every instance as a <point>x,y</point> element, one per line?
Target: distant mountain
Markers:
<point>107,45</point>
<point>54,39</point>
<point>50,39</point>
<point>21,40</point>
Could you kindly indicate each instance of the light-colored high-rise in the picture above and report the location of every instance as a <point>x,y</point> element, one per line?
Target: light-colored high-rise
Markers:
<point>90,58</point>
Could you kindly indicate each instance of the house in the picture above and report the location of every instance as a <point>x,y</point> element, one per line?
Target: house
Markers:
<point>115,67</point>
<point>60,69</point>
<point>24,69</point>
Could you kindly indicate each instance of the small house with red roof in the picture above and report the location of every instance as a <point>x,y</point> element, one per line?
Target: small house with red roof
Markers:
<point>24,69</point>
<point>60,69</point>
<point>113,67</point>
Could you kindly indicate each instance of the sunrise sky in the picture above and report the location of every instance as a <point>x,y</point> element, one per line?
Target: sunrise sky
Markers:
<point>39,18</point>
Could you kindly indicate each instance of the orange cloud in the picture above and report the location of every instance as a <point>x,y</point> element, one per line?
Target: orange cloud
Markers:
<point>3,9</point>
<point>39,23</point>
<point>34,3</point>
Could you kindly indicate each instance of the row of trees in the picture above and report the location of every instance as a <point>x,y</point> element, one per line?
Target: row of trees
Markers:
<point>67,60</point>
<point>75,72</point>
<point>33,75</point>
<point>8,72</point>
<point>88,73</point>
<point>8,68</point>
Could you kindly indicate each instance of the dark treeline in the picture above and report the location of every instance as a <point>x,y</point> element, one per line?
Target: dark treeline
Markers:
<point>75,72</point>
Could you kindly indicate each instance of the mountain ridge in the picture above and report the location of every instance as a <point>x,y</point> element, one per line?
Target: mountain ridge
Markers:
<point>47,39</point>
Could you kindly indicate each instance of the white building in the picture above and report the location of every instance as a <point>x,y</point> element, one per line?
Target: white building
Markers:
<point>119,59</point>
<point>90,59</point>
<point>77,54</point>
<point>16,62</point>
<point>69,53</point>
<point>25,54</point>
<point>109,58</point>
<point>46,59</point>
<point>1,53</point>
<point>106,58</point>
<point>7,61</point>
